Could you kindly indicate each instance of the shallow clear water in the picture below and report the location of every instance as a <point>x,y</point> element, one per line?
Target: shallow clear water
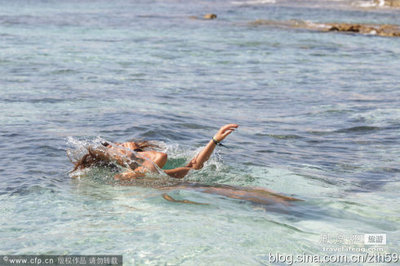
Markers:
<point>318,112</point>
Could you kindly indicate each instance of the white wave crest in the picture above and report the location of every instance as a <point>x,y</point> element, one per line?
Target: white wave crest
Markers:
<point>254,2</point>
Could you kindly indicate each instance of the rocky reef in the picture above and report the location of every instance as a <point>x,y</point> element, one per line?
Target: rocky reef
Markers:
<point>386,30</point>
<point>392,3</point>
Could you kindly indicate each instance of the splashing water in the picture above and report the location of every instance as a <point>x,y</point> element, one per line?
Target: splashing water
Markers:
<point>180,156</point>
<point>78,148</point>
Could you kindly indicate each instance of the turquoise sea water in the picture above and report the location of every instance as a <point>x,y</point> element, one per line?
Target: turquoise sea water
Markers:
<point>318,112</point>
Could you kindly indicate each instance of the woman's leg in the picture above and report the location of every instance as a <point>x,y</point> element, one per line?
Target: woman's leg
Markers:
<point>255,195</point>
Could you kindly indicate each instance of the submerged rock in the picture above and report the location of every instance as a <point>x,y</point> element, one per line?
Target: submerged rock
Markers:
<point>386,30</point>
<point>210,16</point>
<point>206,16</point>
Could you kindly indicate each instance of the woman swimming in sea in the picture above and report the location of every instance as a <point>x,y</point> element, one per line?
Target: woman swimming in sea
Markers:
<point>130,154</point>
<point>140,158</point>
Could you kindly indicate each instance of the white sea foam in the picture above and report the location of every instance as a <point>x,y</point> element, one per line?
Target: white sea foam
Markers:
<point>254,2</point>
<point>317,25</point>
<point>367,4</point>
<point>381,2</point>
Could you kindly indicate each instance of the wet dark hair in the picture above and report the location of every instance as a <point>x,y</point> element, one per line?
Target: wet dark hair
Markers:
<point>92,158</point>
<point>88,160</point>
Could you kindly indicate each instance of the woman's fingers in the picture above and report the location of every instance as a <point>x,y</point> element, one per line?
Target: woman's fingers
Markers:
<point>227,133</point>
<point>229,127</point>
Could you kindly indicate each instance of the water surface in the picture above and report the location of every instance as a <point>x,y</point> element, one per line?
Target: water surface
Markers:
<point>318,112</point>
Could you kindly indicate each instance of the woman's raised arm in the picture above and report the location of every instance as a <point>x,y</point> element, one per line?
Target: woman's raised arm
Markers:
<point>198,161</point>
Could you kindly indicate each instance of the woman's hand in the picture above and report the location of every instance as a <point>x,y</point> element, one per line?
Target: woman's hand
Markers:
<point>224,131</point>
<point>131,174</point>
